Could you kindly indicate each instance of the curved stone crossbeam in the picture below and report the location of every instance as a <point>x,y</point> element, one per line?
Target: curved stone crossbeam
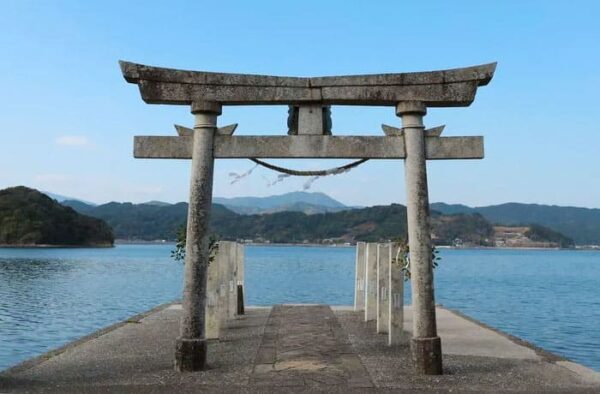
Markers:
<point>446,88</point>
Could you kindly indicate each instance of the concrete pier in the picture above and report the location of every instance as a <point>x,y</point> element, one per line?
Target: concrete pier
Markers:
<point>371,281</point>
<point>302,348</point>
<point>359,283</point>
<point>384,255</point>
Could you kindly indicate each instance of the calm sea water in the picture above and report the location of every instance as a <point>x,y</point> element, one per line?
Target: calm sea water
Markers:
<point>51,296</point>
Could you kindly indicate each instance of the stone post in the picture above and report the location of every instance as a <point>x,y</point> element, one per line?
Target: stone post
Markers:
<point>359,283</point>
<point>224,273</point>
<point>383,277</point>
<point>426,346</point>
<point>213,312</point>
<point>396,296</point>
<point>232,280</point>
<point>371,281</point>
<point>190,348</point>
<point>240,279</point>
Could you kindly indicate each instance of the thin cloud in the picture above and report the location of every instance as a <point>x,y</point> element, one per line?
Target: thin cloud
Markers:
<point>72,140</point>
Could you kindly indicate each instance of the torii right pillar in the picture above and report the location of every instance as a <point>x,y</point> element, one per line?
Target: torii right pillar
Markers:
<point>425,345</point>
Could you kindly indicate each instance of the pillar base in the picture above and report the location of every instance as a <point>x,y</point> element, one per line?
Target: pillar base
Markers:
<point>427,355</point>
<point>190,355</point>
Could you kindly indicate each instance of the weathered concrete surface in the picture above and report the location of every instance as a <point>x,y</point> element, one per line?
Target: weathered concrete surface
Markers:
<point>310,120</point>
<point>304,346</point>
<point>313,349</point>
<point>308,146</point>
<point>138,357</point>
<point>384,255</point>
<point>371,281</point>
<point>445,88</point>
<point>359,279</point>
<point>478,360</point>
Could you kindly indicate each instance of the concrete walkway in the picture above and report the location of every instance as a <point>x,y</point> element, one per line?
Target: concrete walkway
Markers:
<point>295,348</point>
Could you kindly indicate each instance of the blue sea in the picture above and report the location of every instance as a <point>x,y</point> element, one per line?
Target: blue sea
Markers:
<point>49,297</point>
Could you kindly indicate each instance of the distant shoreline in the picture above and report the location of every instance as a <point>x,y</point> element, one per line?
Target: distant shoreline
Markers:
<point>283,245</point>
<point>42,246</point>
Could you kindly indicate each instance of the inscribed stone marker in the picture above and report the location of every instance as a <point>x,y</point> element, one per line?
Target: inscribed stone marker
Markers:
<point>213,318</point>
<point>232,280</point>
<point>359,283</point>
<point>396,298</point>
<point>371,281</point>
<point>383,277</point>
<point>222,261</point>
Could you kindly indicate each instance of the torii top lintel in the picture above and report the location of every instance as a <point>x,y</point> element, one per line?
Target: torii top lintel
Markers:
<point>444,88</point>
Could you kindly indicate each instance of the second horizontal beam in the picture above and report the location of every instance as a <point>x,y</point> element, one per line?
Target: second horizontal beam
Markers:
<point>308,147</point>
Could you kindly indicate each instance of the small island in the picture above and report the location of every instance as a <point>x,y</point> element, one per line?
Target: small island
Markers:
<point>29,218</point>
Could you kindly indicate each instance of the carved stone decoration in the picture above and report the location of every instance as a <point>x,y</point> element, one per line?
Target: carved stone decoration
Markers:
<point>292,120</point>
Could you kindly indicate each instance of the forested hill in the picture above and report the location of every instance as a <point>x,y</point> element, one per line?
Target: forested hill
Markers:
<point>580,224</point>
<point>153,221</point>
<point>29,218</point>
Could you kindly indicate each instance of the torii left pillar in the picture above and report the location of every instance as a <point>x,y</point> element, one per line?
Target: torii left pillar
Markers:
<point>190,351</point>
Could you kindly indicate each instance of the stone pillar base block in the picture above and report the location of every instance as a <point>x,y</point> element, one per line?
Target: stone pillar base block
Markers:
<point>427,355</point>
<point>190,355</point>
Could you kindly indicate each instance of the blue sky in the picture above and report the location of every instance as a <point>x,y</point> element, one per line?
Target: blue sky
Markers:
<point>67,117</point>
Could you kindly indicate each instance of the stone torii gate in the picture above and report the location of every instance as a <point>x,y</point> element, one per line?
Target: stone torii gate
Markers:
<point>309,100</point>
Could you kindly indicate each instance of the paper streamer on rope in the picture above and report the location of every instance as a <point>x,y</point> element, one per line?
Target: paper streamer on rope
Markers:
<point>237,177</point>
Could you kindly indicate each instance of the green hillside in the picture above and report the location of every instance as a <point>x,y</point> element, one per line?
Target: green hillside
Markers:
<point>28,217</point>
<point>152,222</point>
<point>146,222</point>
<point>580,224</point>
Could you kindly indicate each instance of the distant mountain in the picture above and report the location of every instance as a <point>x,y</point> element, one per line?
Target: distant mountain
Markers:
<point>580,224</point>
<point>61,198</point>
<point>29,217</point>
<point>451,209</point>
<point>157,203</point>
<point>309,203</point>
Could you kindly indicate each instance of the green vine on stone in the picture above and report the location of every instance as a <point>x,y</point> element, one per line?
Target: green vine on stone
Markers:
<point>178,254</point>
<point>402,256</point>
